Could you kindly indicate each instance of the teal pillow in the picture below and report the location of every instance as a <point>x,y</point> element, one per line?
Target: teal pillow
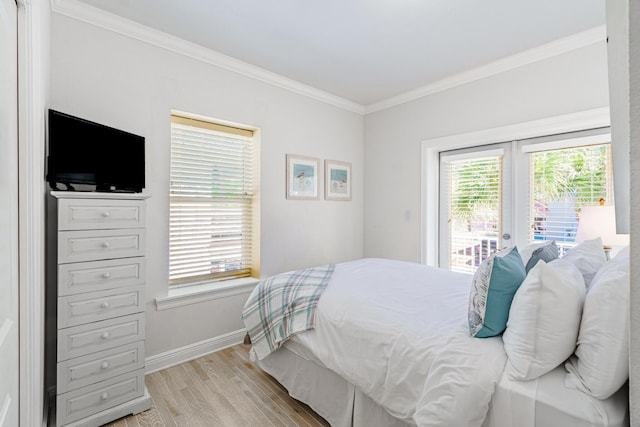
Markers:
<point>492,289</point>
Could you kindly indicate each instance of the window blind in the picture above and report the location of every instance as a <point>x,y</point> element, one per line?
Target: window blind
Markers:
<point>474,210</point>
<point>562,181</point>
<point>211,194</point>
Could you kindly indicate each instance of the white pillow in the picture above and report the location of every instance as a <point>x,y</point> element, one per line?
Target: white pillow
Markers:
<point>588,256</point>
<point>601,363</point>
<point>544,319</point>
<point>624,252</point>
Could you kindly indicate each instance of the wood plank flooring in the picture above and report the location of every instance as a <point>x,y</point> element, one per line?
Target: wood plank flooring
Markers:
<point>221,389</point>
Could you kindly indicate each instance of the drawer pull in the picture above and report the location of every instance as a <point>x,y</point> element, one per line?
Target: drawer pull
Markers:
<point>105,244</point>
<point>104,304</point>
<point>105,335</point>
<point>106,214</point>
<point>104,365</point>
<point>106,275</point>
<point>104,396</point>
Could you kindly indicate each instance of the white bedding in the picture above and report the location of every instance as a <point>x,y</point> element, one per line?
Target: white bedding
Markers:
<point>398,332</point>
<point>547,402</point>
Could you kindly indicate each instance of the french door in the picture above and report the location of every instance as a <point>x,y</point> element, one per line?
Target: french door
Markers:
<point>519,192</point>
<point>475,205</point>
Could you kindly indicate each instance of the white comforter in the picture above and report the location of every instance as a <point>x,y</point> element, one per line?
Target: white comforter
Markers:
<point>398,331</point>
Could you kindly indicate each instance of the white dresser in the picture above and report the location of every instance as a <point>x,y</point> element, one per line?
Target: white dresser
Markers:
<point>100,306</point>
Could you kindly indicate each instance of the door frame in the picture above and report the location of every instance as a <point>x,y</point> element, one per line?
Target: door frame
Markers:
<point>33,71</point>
<point>431,149</point>
<point>10,311</point>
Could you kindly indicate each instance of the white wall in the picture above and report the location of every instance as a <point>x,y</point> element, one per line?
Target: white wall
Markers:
<point>112,79</point>
<point>569,83</point>
<point>634,95</point>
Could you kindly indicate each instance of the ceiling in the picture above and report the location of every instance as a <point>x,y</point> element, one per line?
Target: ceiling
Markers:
<point>365,51</point>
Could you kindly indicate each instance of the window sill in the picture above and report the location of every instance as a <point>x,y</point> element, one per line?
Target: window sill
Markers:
<point>194,294</point>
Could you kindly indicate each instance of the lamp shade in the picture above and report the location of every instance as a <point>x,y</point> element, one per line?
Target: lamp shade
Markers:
<point>599,221</point>
<point>596,221</point>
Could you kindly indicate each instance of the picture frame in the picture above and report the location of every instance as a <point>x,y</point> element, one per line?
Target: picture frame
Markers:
<point>302,177</point>
<point>337,177</point>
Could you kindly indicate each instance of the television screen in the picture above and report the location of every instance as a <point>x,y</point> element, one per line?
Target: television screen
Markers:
<point>84,152</point>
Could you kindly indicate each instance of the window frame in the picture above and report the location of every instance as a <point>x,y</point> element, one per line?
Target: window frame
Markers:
<point>252,270</point>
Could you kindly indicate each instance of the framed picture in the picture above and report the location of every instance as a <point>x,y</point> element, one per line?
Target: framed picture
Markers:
<point>337,177</point>
<point>302,177</point>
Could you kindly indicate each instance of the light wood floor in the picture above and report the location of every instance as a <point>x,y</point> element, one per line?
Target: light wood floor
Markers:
<point>221,389</point>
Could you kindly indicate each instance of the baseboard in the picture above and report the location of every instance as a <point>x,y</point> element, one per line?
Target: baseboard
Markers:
<point>193,351</point>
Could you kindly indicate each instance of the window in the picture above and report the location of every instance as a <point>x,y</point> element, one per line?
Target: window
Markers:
<point>211,201</point>
<point>518,193</point>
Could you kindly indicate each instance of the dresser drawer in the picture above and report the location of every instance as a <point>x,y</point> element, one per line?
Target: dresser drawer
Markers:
<point>82,277</point>
<point>90,338</point>
<point>85,214</point>
<point>100,305</point>
<point>96,367</point>
<point>94,398</point>
<point>93,245</point>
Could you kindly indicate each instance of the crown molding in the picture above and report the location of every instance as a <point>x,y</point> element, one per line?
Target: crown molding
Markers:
<point>545,51</point>
<point>100,18</point>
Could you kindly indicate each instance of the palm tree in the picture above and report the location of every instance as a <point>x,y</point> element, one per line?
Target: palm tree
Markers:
<point>577,174</point>
<point>475,187</point>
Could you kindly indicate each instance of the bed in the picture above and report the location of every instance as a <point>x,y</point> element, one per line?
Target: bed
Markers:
<point>388,344</point>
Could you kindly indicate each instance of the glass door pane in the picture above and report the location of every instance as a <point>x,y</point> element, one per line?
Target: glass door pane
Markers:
<point>561,182</point>
<point>472,207</point>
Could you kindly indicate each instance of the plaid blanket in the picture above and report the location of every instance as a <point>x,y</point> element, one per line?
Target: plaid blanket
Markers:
<point>282,306</point>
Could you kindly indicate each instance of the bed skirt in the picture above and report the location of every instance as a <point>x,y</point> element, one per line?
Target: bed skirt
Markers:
<point>515,403</point>
<point>329,395</point>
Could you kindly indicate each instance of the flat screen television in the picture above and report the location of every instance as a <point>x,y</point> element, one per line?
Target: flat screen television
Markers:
<point>86,153</point>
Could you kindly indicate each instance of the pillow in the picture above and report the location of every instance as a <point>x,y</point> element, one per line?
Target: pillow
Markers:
<point>545,251</point>
<point>544,320</point>
<point>601,362</point>
<point>588,256</point>
<point>624,252</point>
<point>527,251</point>
<point>492,288</point>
